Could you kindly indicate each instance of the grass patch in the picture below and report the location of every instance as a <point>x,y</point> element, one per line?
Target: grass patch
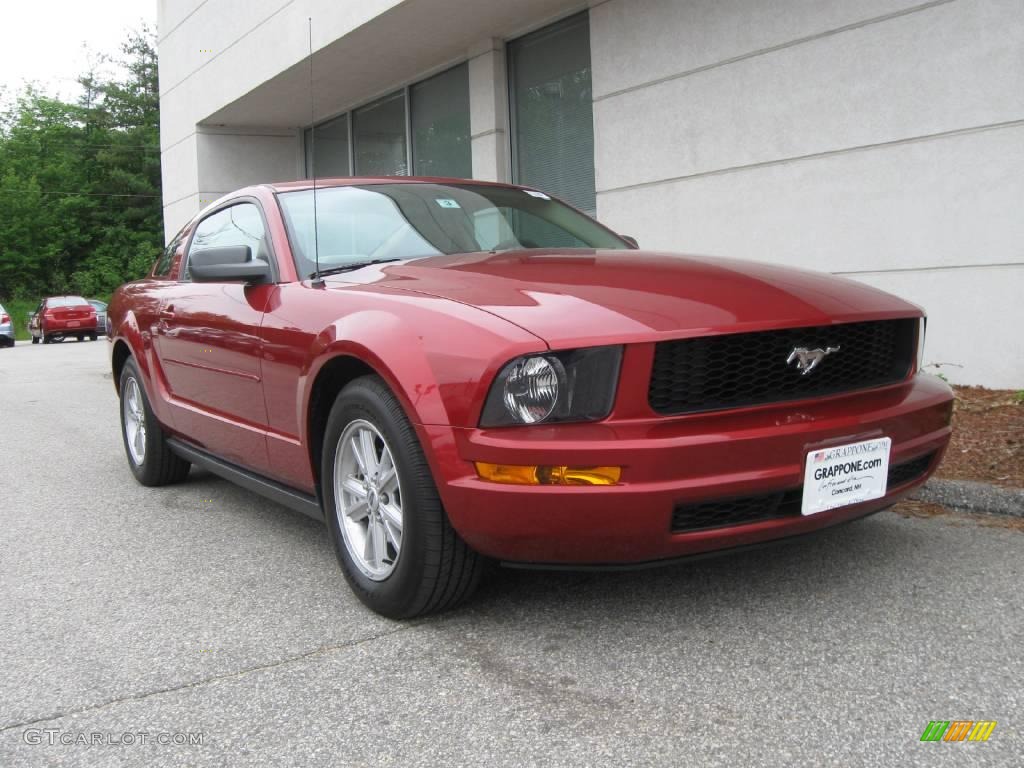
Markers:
<point>19,309</point>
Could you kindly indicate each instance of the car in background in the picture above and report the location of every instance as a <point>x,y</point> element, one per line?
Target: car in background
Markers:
<point>448,371</point>
<point>6,328</point>
<point>101,314</point>
<point>58,317</point>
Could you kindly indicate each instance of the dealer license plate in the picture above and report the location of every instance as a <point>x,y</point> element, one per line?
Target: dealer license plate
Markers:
<point>845,474</point>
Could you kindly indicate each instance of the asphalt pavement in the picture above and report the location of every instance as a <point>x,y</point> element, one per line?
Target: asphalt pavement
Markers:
<point>202,625</point>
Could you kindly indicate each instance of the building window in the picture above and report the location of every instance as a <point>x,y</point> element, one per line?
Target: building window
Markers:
<point>552,111</point>
<point>331,148</point>
<point>380,140</point>
<point>440,125</point>
<point>436,132</point>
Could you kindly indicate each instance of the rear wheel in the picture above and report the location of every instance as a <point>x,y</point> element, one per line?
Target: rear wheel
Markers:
<point>149,457</point>
<point>392,537</point>
<point>92,337</point>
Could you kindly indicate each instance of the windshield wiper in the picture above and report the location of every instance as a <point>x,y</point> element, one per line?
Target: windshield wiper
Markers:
<point>354,265</point>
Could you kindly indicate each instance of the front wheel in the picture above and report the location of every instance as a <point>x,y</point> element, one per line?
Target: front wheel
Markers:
<point>35,339</point>
<point>396,547</point>
<point>149,457</point>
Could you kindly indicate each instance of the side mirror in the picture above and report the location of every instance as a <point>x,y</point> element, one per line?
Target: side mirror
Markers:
<point>228,264</point>
<point>631,240</point>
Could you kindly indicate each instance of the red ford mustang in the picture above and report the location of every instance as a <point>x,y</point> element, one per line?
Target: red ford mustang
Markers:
<point>451,371</point>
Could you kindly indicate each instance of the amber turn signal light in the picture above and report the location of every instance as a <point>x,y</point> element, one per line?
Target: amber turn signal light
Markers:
<point>515,474</point>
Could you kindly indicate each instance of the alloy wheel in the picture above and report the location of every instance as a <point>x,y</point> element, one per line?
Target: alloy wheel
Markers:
<point>368,499</point>
<point>134,422</point>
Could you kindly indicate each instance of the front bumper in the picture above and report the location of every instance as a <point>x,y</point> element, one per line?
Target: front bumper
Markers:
<point>668,462</point>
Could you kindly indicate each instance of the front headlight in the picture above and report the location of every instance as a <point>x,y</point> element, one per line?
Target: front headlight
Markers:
<point>578,385</point>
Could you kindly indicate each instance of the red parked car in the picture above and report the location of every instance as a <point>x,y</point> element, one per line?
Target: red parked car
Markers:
<point>452,371</point>
<point>58,317</point>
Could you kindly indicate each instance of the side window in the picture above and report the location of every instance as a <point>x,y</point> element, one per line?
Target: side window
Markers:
<point>240,224</point>
<point>165,263</point>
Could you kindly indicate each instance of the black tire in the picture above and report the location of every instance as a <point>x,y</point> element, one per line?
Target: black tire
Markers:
<point>435,569</point>
<point>47,340</point>
<point>159,465</point>
<point>35,339</point>
<point>80,337</point>
<point>92,337</point>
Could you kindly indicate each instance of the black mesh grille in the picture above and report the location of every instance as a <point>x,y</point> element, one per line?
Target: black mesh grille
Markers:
<point>752,509</point>
<point>737,369</point>
<point>901,474</point>
<point>725,512</point>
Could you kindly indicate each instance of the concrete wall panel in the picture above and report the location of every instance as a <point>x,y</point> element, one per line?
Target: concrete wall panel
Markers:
<point>951,66</point>
<point>652,39</point>
<point>179,167</point>
<point>974,321</point>
<point>950,201</point>
<point>231,161</point>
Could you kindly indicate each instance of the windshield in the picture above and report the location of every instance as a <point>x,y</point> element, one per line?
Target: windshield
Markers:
<point>382,222</point>
<point>65,301</point>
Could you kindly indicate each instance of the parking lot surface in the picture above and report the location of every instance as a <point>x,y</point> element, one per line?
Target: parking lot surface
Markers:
<point>203,613</point>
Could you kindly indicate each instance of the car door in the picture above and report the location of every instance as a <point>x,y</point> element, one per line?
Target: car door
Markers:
<point>207,338</point>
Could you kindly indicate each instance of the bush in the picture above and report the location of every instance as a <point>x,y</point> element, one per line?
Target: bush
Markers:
<point>19,310</point>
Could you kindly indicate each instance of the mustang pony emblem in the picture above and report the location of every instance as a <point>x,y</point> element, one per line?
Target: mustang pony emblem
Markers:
<point>807,359</point>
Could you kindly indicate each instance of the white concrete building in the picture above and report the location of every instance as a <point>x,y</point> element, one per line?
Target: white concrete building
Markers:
<point>879,139</point>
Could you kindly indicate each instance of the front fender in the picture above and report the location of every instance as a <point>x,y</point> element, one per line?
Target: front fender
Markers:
<point>383,342</point>
<point>439,370</point>
<point>437,356</point>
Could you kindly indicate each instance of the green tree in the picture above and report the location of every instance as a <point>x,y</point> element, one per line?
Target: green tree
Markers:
<point>80,182</point>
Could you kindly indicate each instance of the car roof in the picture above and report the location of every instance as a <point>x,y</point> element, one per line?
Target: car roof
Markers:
<point>351,181</point>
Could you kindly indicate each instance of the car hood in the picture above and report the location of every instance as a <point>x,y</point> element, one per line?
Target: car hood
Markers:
<point>575,298</point>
